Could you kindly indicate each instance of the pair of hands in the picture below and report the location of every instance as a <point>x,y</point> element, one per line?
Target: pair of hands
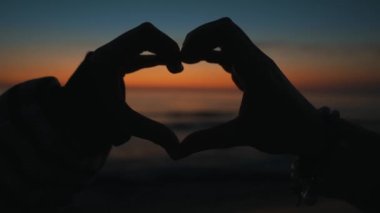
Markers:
<point>274,117</point>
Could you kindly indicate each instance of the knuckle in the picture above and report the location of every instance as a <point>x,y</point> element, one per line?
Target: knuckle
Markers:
<point>147,26</point>
<point>226,20</point>
<point>189,39</point>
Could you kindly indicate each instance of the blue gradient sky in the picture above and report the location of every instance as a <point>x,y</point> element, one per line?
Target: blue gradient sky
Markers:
<point>325,40</point>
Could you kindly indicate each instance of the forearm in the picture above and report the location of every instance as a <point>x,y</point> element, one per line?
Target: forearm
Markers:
<point>347,168</point>
<point>352,173</point>
<point>87,105</point>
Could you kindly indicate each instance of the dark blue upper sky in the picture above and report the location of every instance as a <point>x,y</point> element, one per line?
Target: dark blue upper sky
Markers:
<point>297,20</point>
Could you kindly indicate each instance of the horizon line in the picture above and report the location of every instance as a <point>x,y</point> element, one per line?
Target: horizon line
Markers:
<point>359,89</point>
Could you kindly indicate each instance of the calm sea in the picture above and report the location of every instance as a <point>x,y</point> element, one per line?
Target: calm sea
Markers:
<point>188,110</point>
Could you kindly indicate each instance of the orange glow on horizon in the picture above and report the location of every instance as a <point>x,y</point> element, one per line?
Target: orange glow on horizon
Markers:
<point>198,76</point>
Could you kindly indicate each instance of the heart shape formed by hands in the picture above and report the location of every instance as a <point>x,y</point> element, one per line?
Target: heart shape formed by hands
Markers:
<point>270,103</point>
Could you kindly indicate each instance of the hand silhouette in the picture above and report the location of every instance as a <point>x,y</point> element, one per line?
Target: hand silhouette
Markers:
<point>98,92</point>
<point>274,117</point>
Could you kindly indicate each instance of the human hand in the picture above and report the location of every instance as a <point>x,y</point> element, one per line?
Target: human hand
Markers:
<point>274,117</point>
<point>97,89</point>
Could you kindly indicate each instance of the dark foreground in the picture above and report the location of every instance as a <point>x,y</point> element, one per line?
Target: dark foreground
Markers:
<point>208,182</point>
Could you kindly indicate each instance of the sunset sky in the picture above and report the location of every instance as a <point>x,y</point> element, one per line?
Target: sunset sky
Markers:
<point>322,45</point>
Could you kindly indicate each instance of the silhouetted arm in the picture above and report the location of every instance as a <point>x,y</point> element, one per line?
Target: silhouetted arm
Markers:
<point>275,118</point>
<point>55,138</point>
<point>349,169</point>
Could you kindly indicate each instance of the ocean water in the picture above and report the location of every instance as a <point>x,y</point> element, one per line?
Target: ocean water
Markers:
<point>186,111</point>
<point>189,109</point>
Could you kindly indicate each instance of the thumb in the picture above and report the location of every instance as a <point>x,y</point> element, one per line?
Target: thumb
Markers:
<point>223,136</point>
<point>155,132</point>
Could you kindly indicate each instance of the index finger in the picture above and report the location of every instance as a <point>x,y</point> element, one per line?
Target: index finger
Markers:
<point>165,48</point>
<point>202,40</point>
<point>146,128</point>
<point>249,64</point>
<point>145,37</point>
<point>223,33</point>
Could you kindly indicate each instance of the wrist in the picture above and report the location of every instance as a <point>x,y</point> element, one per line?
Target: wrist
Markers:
<point>346,169</point>
<point>309,171</point>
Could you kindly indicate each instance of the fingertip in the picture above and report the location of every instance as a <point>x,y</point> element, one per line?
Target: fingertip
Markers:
<point>173,147</point>
<point>189,51</point>
<point>175,68</point>
<point>188,57</point>
<point>175,154</point>
<point>193,143</point>
<point>168,140</point>
<point>183,150</point>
